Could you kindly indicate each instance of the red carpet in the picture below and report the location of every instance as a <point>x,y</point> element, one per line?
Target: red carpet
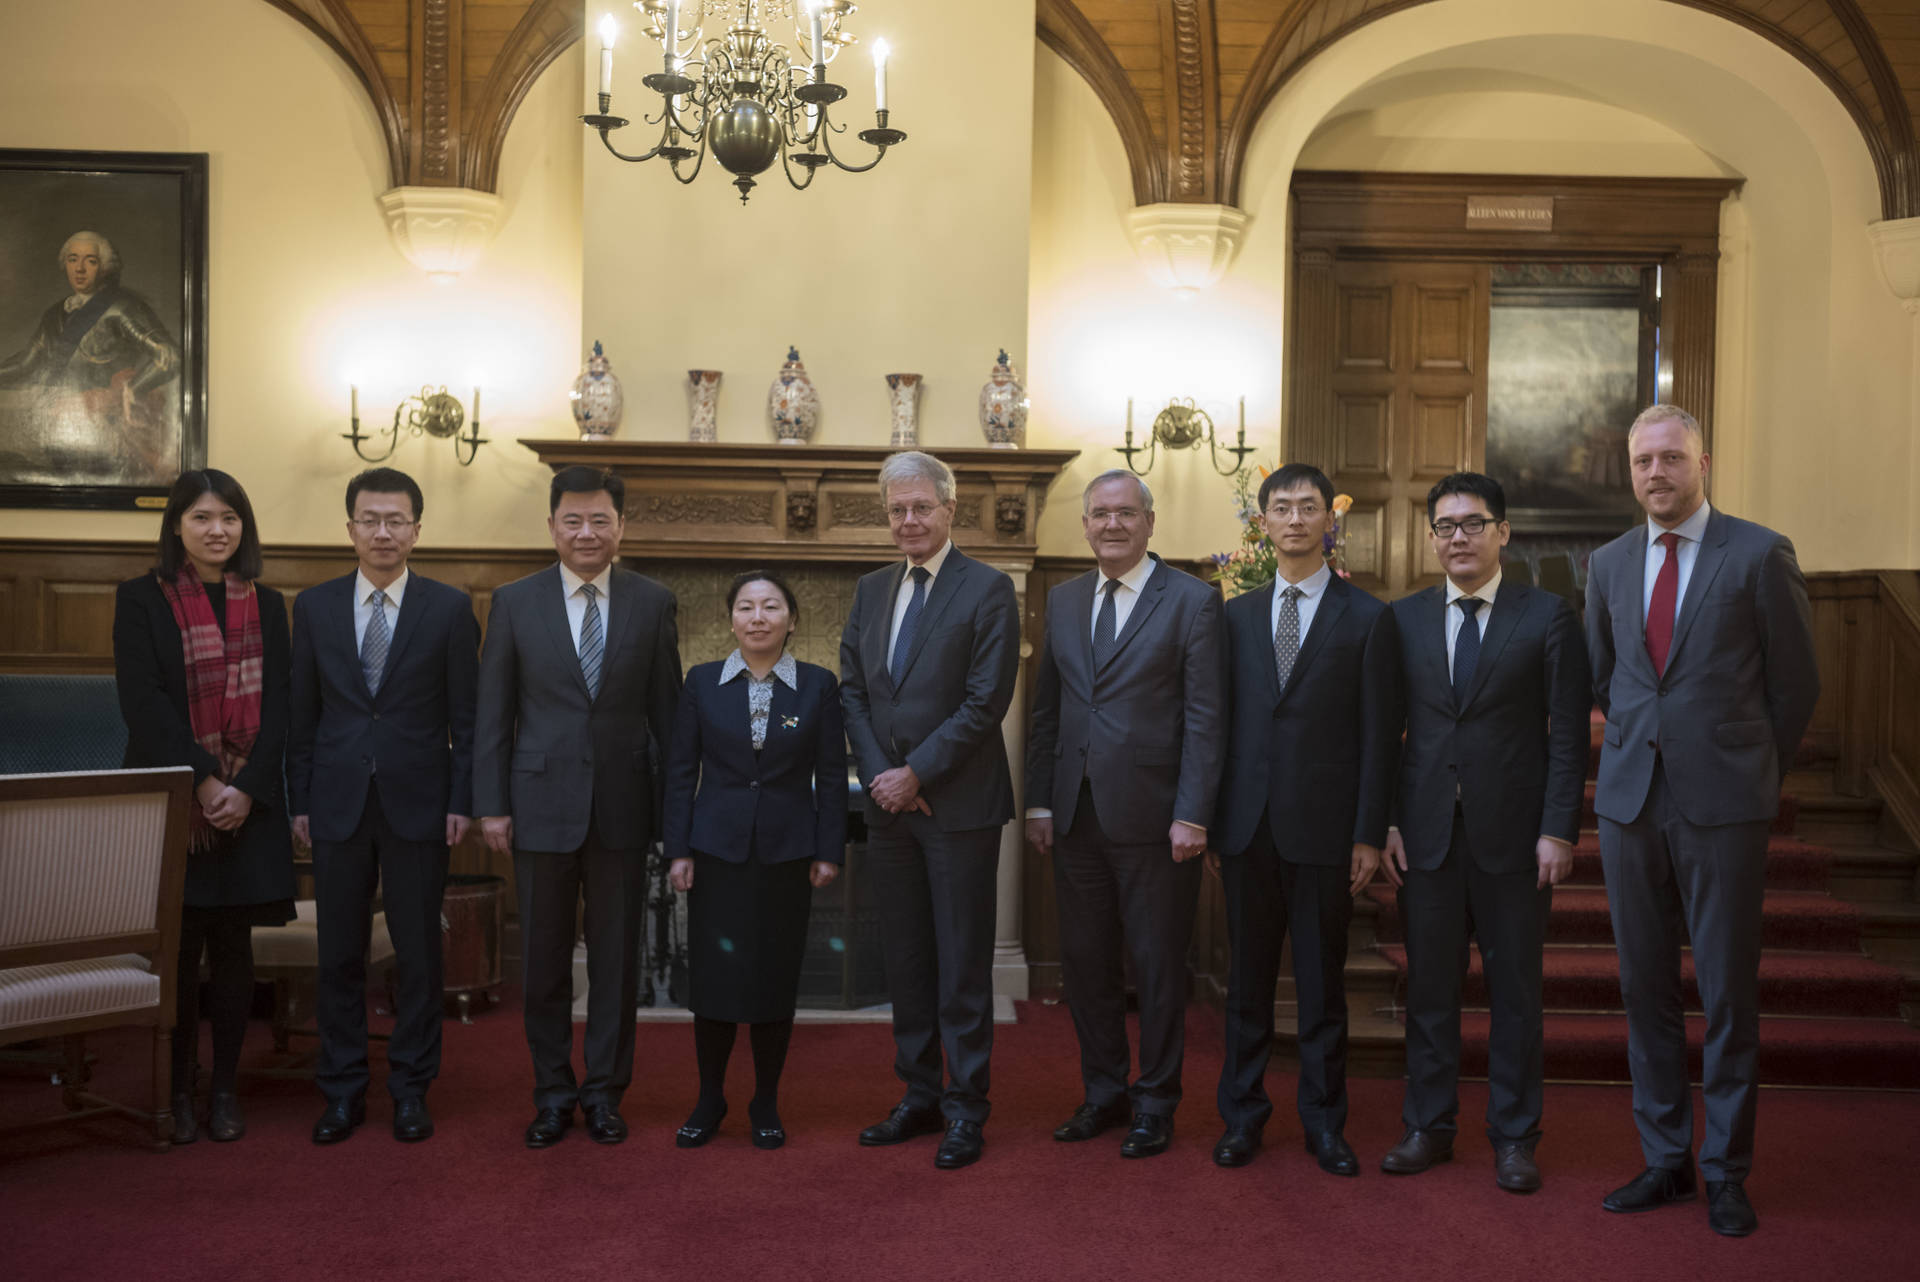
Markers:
<point>473,1203</point>
<point>1831,1015</point>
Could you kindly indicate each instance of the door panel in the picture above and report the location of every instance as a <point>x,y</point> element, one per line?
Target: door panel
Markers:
<point>1407,395</point>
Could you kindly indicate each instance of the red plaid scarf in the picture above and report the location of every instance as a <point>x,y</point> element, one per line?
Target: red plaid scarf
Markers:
<point>223,675</point>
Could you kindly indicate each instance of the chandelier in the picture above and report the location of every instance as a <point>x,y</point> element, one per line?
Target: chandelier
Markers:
<point>725,86</point>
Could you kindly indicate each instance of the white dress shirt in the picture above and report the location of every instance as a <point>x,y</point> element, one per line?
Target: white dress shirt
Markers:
<point>363,591</point>
<point>577,601</point>
<point>1125,597</point>
<point>1691,531</point>
<point>905,594</point>
<point>1312,588</point>
<point>1456,616</point>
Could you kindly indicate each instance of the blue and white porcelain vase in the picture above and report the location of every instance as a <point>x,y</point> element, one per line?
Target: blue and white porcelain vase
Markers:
<point>1003,407</point>
<point>598,403</point>
<point>792,402</point>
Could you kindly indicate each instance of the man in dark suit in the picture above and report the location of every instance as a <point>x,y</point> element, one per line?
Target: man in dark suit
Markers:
<point>1497,695</point>
<point>928,662</point>
<point>380,772</point>
<point>579,681</point>
<point>1314,667</point>
<point>1123,764</point>
<point>1701,640</point>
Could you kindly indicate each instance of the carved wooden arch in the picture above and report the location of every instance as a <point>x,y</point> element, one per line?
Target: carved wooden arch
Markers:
<point>1202,80</point>
<point>444,77</point>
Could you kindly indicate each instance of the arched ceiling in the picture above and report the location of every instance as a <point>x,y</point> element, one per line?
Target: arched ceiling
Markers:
<point>1187,80</point>
<point>444,76</point>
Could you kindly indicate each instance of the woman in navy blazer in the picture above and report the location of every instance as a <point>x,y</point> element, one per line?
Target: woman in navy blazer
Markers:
<point>761,736</point>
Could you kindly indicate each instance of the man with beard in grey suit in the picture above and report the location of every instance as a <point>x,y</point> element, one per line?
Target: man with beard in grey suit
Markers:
<point>1702,646</point>
<point>1123,764</point>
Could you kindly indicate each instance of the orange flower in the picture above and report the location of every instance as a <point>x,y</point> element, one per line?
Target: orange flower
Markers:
<point>1263,472</point>
<point>1341,502</point>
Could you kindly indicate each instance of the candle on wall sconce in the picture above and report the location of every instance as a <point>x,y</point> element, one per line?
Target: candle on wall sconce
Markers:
<point>609,30</point>
<point>431,412</point>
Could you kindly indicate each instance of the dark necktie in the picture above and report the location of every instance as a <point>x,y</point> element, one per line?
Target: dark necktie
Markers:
<point>1286,634</point>
<point>909,622</point>
<point>1466,648</point>
<point>1106,625</point>
<point>374,643</point>
<point>593,640</point>
<point>1660,611</point>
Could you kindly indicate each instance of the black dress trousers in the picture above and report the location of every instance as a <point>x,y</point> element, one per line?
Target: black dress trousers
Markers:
<point>411,876</point>
<point>1268,899</point>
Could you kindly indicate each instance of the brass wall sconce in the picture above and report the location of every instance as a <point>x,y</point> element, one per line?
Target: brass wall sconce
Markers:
<point>1183,425</point>
<point>431,413</point>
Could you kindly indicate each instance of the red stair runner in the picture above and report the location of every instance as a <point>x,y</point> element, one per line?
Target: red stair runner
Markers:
<point>1830,1015</point>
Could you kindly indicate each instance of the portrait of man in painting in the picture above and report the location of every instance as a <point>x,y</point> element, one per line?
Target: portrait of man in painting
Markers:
<point>98,395</point>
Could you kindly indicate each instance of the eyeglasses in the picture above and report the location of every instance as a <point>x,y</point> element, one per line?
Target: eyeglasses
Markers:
<point>598,524</point>
<point>1474,527</point>
<point>1124,515</point>
<point>898,512</point>
<point>391,524</point>
<point>1283,511</point>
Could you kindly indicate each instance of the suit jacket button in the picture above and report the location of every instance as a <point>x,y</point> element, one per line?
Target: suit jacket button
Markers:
<point>1093,707</point>
<point>755,785</point>
<point>376,716</point>
<point>1654,744</point>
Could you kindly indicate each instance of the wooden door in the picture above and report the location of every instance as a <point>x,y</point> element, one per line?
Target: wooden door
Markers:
<point>1406,400</point>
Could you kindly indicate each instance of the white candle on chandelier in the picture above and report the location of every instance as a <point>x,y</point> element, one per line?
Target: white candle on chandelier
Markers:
<point>880,75</point>
<point>813,31</point>
<point>608,30</point>
<point>670,34</point>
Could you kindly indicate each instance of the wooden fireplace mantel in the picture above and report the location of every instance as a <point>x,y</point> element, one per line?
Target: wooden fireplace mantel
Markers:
<point>804,502</point>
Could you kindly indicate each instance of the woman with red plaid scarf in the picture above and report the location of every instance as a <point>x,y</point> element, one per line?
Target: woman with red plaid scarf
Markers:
<point>201,658</point>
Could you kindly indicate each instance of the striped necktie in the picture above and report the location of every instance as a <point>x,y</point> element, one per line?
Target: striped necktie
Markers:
<point>374,643</point>
<point>593,640</point>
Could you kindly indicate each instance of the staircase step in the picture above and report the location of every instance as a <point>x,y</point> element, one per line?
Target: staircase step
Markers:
<point>1789,919</point>
<point>1791,983</point>
<point>1792,864</point>
<point>1878,1054</point>
<point>1783,821</point>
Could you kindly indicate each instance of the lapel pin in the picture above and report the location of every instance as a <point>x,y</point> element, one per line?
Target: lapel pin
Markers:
<point>791,723</point>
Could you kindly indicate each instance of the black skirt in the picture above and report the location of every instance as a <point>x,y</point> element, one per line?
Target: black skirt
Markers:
<point>747,931</point>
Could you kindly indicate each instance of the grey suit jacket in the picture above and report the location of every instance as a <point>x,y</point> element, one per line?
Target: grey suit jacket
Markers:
<point>1740,683</point>
<point>548,754</point>
<point>1147,728</point>
<point>943,717</point>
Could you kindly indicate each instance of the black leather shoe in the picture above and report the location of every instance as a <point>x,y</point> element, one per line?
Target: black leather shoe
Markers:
<point>961,1147</point>
<point>1090,1120</point>
<point>604,1124</point>
<point>1149,1135</point>
<point>1728,1211</point>
<point>1236,1147</point>
<point>1336,1156</point>
<point>1652,1188</point>
<point>1514,1169</point>
<point>901,1125</point>
<point>1417,1151</point>
<point>339,1119</point>
<point>693,1135</point>
<point>411,1121</point>
<point>185,1129</point>
<point>547,1126</point>
<point>769,1137</point>
<point>224,1121</point>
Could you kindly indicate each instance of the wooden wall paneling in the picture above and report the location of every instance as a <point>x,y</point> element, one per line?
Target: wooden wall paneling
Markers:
<point>1896,770</point>
<point>1309,428</point>
<point>1363,423</point>
<point>1845,608</point>
<point>1693,282</point>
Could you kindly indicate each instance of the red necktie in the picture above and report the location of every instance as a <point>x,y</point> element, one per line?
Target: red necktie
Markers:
<point>1660,611</point>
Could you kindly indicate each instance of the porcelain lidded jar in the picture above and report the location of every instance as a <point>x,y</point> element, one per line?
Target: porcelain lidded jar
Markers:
<point>703,401</point>
<point>1003,407</point>
<point>598,402</point>
<point>903,392</point>
<point>792,402</point>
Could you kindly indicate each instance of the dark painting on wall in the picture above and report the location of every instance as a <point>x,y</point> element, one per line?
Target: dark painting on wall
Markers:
<point>103,326</point>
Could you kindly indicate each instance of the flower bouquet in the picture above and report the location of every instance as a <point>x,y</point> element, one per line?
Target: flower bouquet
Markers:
<point>1253,563</point>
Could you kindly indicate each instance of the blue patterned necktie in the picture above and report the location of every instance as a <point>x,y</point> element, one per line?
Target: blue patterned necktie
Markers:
<point>1466,648</point>
<point>374,643</point>
<point>908,622</point>
<point>593,640</point>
